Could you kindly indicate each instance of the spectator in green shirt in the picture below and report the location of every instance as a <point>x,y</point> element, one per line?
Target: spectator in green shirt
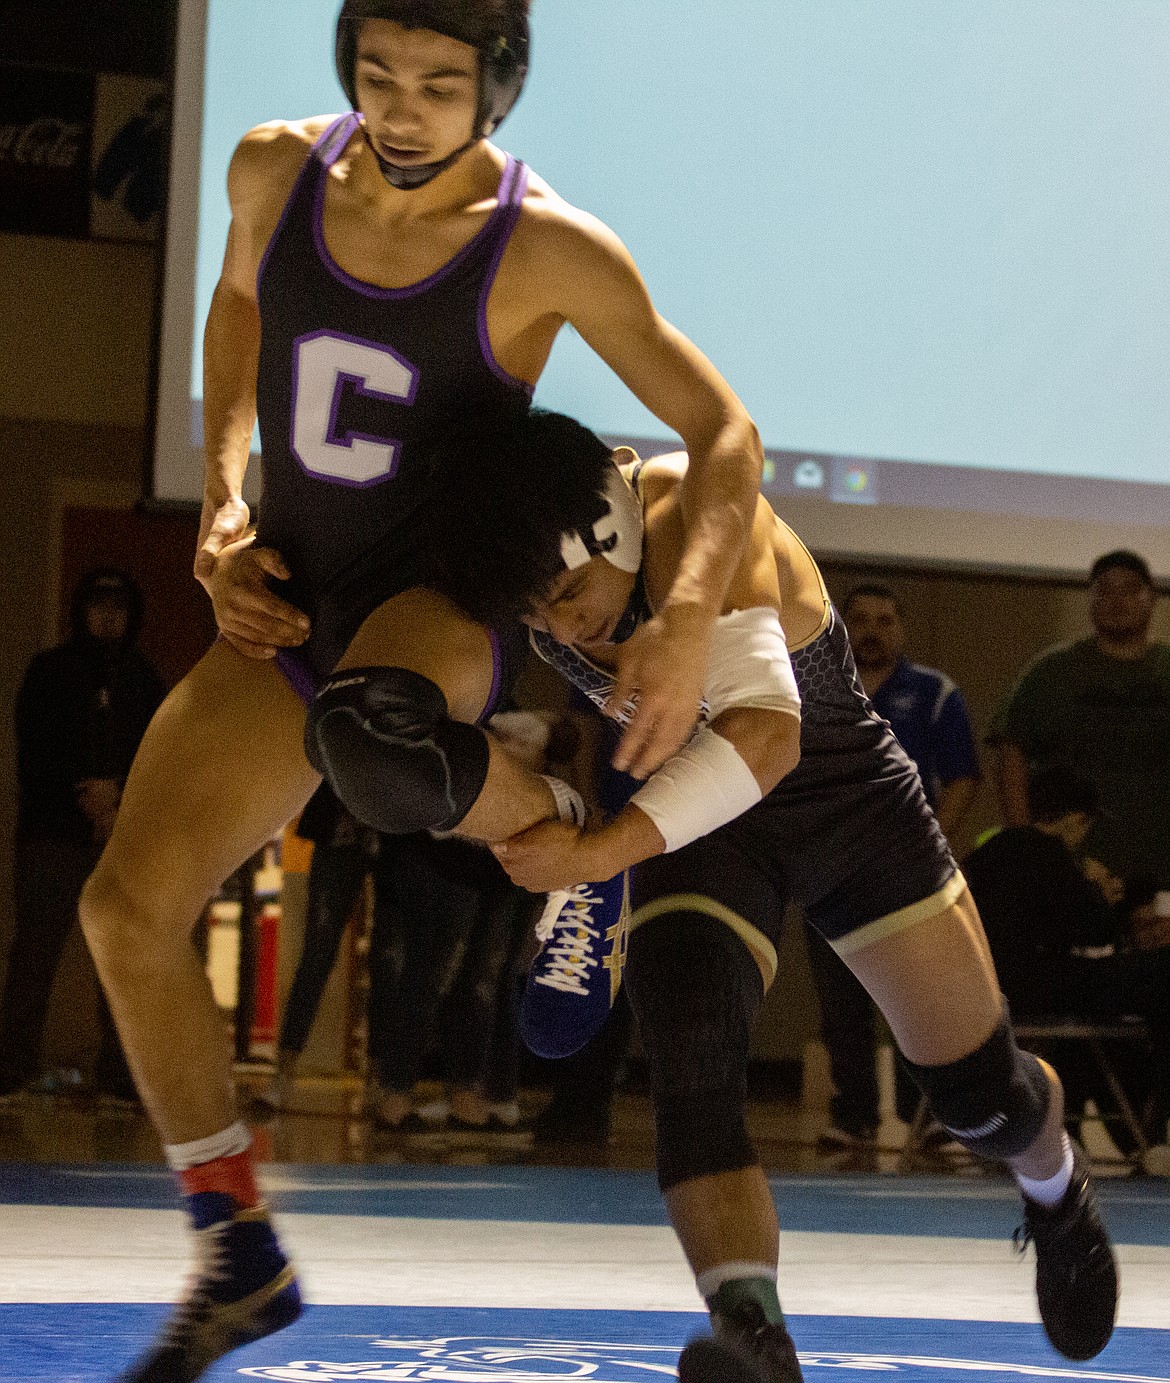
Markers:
<point>1101,707</point>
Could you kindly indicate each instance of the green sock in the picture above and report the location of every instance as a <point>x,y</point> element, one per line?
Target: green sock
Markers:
<point>738,1296</point>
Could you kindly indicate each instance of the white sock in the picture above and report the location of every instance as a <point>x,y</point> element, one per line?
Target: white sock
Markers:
<point>710,1281</point>
<point>227,1143</point>
<point>570,806</point>
<point>1049,1191</point>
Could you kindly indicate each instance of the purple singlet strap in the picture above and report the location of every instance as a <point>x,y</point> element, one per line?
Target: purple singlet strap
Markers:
<point>333,140</point>
<point>497,677</point>
<point>516,177</point>
<point>513,185</point>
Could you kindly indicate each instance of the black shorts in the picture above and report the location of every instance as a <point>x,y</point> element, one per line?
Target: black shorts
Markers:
<point>848,834</point>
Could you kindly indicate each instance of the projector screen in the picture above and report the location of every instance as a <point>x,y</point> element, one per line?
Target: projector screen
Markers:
<point>926,242</point>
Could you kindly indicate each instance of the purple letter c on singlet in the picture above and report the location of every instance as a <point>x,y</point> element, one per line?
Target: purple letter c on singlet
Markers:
<point>325,364</point>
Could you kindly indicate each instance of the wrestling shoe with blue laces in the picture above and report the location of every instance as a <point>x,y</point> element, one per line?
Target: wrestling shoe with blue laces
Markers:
<point>243,1289</point>
<point>577,973</point>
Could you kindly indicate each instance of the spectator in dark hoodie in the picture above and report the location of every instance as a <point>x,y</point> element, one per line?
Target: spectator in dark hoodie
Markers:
<point>80,713</point>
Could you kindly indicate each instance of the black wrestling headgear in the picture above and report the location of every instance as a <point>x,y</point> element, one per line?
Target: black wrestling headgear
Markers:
<point>503,65</point>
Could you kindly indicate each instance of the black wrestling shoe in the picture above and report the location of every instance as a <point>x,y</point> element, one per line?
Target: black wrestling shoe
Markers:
<point>243,1289</point>
<point>746,1349</point>
<point>1076,1274</point>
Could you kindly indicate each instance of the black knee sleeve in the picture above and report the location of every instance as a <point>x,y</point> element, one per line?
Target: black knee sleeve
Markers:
<point>695,992</point>
<point>994,1101</point>
<point>399,763</point>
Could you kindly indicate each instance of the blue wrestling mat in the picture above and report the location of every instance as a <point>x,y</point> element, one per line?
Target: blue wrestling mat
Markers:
<point>1138,1212</point>
<point>88,1252</point>
<point>77,1344</point>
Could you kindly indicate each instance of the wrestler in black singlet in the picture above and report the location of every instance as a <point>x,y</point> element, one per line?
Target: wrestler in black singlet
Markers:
<point>354,383</point>
<point>848,833</point>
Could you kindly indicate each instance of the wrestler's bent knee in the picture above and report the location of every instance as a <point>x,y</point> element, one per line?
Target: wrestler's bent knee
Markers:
<point>115,930</point>
<point>994,1101</point>
<point>395,758</point>
<point>102,907</point>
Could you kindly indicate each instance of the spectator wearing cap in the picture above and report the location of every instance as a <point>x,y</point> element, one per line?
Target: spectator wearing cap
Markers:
<point>81,711</point>
<point>1100,707</point>
<point>927,713</point>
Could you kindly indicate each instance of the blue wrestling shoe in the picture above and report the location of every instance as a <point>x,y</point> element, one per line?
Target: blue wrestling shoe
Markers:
<point>243,1289</point>
<point>577,973</point>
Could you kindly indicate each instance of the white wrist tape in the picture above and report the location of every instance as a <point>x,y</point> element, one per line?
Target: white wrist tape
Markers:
<point>705,785</point>
<point>749,664</point>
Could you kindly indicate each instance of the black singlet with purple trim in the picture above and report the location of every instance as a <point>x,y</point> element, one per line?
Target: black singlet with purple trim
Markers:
<point>354,383</point>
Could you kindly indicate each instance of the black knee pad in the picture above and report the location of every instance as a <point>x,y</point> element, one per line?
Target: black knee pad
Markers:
<point>994,1100</point>
<point>695,992</point>
<point>384,740</point>
<point>701,1135</point>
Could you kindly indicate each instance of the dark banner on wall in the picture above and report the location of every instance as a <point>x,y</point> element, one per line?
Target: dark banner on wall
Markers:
<point>81,154</point>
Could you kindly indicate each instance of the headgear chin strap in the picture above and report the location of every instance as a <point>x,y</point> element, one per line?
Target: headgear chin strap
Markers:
<point>417,174</point>
<point>616,535</point>
<point>503,66</point>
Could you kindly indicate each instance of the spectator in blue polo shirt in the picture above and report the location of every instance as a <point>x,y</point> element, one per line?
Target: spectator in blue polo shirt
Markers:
<point>924,707</point>
<point>927,713</point>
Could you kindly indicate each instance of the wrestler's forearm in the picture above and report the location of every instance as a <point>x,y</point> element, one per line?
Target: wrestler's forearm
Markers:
<point>627,840</point>
<point>718,493</point>
<point>231,351</point>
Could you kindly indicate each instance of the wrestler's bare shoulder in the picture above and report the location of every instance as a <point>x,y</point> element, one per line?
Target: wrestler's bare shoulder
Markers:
<point>555,236</point>
<point>268,159</point>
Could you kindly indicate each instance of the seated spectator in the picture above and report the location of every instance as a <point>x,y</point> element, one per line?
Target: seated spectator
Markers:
<point>1060,941</point>
<point>1043,908</point>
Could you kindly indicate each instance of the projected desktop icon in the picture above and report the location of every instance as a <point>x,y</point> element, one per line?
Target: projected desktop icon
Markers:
<point>808,474</point>
<point>853,481</point>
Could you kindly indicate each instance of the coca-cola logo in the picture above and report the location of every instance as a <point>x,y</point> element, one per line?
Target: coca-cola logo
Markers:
<point>44,143</point>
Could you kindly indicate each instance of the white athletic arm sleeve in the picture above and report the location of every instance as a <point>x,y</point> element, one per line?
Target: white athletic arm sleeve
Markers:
<point>703,786</point>
<point>707,783</point>
<point>750,665</point>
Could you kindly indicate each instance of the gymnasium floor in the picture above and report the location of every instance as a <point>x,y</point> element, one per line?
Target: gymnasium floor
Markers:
<point>452,1262</point>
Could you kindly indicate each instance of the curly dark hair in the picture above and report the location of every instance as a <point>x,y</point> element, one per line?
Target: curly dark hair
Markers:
<point>505,498</point>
